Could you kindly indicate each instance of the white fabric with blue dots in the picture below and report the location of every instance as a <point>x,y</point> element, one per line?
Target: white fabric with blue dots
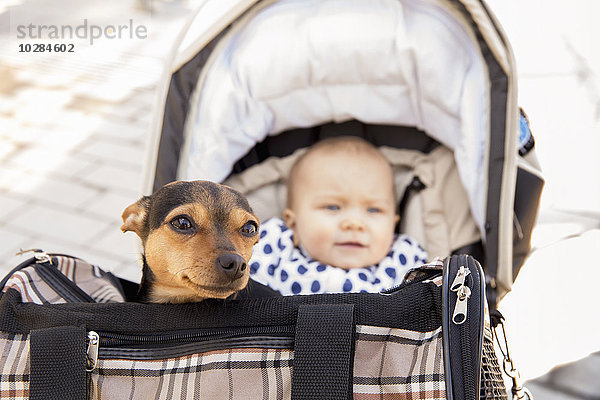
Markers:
<point>277,263</point>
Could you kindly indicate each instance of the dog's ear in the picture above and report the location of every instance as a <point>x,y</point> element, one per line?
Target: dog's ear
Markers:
<point>134,216</point>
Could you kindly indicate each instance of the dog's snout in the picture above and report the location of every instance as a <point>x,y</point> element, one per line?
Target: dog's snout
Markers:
<point>232,264</point>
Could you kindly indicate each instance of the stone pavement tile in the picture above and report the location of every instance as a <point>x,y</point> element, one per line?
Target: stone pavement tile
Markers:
<point>131,271</point>
<point>37,75</point>
<point>6,105</point>
<point>11,176</point>
<point>114,91</point>
<point>119,177</point>
<point>139,104</point>
<point>123,246</point>
<point>8,262</point>
<point>11,241</point>
<point>119,129</point>
<point>8,125</point>
<point>38,107</point>
<point>141,70</point>
<point>27,135</point>
<point>134,132</point>
<point>66,168</point>
<point>55,138</point>
<point>6,148</point>
<point>35,158</point>
<point>70,168</point>
<point>47,221</point>
<point>41,160</point>
<point>89,106</point>
<point>50,190</point>
<point>110,206</point>
<point>9,205</point>
<point>101,108</point>
<point>71,119</point>
<point>110,150</point>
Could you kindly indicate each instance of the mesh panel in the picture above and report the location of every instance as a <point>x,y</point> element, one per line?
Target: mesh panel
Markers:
<point>492,384</point>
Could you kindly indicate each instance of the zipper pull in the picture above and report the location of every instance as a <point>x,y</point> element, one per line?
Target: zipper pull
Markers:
<point>463,292</point>
<point>40,255</point>
<point>93,340</point>
<point>460,310</point>
<point>459,280</point>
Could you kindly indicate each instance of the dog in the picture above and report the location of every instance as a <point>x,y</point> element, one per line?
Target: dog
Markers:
<point>197,238</point>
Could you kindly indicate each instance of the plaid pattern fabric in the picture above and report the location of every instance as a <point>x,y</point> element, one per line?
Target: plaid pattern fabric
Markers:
<point>398,364</point>
<point>14,366</point>
<point>389,364</point>
<point>227,374</point>
<point>89,278</point>
<point>435,265</point>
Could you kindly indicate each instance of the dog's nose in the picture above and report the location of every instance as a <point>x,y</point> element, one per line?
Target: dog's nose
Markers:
<point>232,264</point>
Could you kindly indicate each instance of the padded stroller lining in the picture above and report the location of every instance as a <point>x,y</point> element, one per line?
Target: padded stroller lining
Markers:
<point>301,63</point>
<point>436,217</point>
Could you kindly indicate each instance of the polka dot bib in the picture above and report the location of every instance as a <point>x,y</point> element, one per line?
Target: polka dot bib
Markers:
<point>277,263</point>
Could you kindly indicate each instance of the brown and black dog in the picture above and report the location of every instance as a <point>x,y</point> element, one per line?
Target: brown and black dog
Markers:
<point>197,239</point>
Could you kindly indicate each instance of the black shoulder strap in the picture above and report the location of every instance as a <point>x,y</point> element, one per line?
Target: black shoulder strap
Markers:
<point>58,361</point>
<point>324,352</point>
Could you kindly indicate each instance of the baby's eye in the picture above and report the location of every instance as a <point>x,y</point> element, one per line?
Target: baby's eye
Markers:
<point>250,228</point>
<point>182,223</point>
<point>332,207</point>
<point>374,210</point>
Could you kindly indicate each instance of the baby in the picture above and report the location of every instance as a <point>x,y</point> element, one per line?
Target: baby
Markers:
<point>338,234</point>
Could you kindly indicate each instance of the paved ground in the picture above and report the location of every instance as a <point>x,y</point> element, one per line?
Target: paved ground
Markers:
<point>73,130</point>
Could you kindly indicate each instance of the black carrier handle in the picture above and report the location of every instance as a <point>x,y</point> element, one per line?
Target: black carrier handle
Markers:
<point>58,360</point>
<point>324,352</point>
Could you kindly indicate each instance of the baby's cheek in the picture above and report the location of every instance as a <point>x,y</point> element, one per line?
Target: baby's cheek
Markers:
<point>317,240</point>
<point>381,246</point>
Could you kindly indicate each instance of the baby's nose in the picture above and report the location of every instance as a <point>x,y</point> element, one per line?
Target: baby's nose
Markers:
<point>352,222</point>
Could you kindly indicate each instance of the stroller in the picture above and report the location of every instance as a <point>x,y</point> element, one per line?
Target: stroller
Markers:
<point>253,84</point>
<point>430,82</point>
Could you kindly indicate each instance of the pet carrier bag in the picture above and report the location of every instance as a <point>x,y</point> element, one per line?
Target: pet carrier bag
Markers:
<point>65,333</point>
<point>432,83</point>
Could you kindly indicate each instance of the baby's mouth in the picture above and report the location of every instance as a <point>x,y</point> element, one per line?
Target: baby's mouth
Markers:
<point>351,245</point>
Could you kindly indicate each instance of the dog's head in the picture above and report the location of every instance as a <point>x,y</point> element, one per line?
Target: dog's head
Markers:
<point>197,239</point>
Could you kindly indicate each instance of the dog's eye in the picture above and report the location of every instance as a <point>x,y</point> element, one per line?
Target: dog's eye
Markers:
<point>250,228</point>
<point>181,224</point>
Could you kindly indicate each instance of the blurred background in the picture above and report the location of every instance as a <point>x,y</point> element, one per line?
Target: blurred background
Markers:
<point>74,127</point>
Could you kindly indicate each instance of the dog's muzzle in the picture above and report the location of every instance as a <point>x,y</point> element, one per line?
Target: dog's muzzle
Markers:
<point>233,265</point>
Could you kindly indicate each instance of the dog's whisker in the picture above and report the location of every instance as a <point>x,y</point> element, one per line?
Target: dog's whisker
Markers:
<point>183,270</point>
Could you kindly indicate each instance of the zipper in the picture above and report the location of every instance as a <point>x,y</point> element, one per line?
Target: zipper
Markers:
<point>427,273</point>
<point>463,292</point>
<point>103,345</point>
<point>462,326</point>
<point>459,317</point>
<point>45,267</point>
<point>62,285</point>
<point>38,256</point>
<point>93,345</point>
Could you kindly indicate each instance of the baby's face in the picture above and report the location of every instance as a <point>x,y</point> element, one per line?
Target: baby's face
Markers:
<point>343,211</point>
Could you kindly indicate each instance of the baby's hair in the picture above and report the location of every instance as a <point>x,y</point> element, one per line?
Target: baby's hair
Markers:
<point>339,144</point>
